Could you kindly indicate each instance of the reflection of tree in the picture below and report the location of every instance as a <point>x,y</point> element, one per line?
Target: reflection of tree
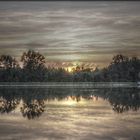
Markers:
<point>125,102</point>
<point>33,104</point>
<point>120,108</point>
<point>7,106</point>
<point>122,100</point>
<point>76,98</point>
<point>130,101</point>
<point>33,109</point>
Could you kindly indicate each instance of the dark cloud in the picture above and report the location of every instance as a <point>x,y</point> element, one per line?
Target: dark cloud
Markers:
<point>71,31</point>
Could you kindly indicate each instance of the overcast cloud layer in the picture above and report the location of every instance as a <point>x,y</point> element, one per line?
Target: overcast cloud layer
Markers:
<point>71,31</point>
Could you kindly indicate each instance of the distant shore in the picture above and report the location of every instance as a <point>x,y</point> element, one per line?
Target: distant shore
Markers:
<point>71,84</point>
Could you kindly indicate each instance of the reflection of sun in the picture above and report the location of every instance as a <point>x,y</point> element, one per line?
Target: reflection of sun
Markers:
<point>69,69</point>
<point>70,102</point>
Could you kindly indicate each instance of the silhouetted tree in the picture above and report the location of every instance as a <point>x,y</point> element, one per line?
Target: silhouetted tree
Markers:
<point>33,66</point>
<point>119,58</point>
<point>134,69</point>
<point>124,69</point>
<point>9,69</point>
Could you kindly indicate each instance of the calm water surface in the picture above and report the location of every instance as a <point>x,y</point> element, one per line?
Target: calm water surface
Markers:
<point>69,114</point>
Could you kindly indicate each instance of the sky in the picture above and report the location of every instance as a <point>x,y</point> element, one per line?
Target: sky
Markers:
<point>70,33</point>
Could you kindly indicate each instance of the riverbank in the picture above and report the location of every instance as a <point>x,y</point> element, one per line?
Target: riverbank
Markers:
<point>71,84</point>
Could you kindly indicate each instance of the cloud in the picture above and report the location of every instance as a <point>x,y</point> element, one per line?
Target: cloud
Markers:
<point>71,31</point>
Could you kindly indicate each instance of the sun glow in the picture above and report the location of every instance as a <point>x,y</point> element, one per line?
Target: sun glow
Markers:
<point>74,100</point>
<point>70,103</point>
<point>70,69</point>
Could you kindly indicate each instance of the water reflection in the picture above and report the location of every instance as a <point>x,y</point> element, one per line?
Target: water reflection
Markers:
<point>33,102</point>
<point>123,100</point>
<point>6,106</point>
<point>32,109</point>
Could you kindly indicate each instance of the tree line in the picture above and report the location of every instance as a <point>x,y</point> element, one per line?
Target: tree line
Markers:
<point>34,69</point>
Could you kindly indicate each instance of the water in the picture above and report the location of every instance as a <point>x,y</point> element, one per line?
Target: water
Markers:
<point>69,113</point>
